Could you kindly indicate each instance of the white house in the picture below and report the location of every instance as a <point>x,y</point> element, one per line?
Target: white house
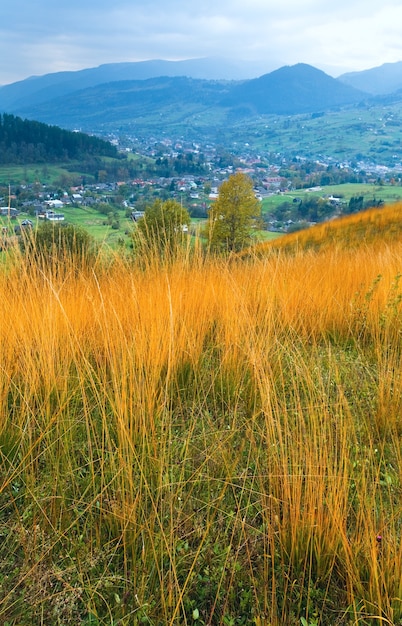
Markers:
<point>51,216</point>
<point>54,204</point>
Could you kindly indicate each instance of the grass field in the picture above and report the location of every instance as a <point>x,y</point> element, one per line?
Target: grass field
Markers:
<point>210,441</point>
<point>46,174</point>
<point>89,219</point>
<point>387,193</point>
<point>371,134</point>
<point>103,233</point>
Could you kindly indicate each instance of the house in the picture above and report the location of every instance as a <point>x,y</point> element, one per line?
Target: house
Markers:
<point>51,216</point>
<point>272,182</point>
<point>5,211</point>
<point>136,215</point>
<point>54,204</point>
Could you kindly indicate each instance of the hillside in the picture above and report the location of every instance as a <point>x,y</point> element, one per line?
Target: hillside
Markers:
<point>37,89</point>
<point>296,111</point>
<point>291,90</point>
<point>381,80</point>
<point>380,226</point>
<point>25,141</point>
<point>153,103</point>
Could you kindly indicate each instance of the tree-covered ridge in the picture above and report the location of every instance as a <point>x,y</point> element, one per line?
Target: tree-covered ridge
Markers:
<point>27,141</point>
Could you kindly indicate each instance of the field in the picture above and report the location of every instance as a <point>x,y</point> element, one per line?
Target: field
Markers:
<point>46,173</point>
<point>91,220</point>
<point>369,133</point>
<point>209,441</point>
<point>386,193</point>
<point>96,224</point>
<point>103,233</point>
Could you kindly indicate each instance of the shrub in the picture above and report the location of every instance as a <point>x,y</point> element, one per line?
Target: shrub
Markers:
<point>58,244</point>
<point>161,233</point>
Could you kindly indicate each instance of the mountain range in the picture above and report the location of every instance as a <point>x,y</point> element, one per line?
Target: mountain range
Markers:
<point>36,88</point>
<point>382,80</point>
<point>156,95</point>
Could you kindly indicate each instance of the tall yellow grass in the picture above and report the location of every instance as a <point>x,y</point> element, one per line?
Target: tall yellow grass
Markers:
<point>372,227</point>
<point>207,441</point>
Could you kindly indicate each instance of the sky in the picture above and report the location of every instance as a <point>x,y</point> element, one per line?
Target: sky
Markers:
<point>43,36</point>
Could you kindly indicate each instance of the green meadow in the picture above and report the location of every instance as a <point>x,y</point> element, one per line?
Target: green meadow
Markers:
<point>46,174</point>
<point>369,191</point>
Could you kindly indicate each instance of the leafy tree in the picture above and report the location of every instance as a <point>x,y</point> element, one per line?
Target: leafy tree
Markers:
<point>162,229</point>
<point>355,204</point>
<point>103,208</point>
<point>233,216</point>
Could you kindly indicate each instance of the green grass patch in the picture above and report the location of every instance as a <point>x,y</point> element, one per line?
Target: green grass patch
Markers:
<point>369,191</point>
<point>46,174</point>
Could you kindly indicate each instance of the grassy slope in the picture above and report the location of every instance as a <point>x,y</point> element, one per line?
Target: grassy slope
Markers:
<point>46,173</point>
<point>211,442</point>
<point>373,133</point>
<point>371,227</point>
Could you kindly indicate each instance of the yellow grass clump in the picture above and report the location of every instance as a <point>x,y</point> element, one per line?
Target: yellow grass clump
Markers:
<point>204,441</point>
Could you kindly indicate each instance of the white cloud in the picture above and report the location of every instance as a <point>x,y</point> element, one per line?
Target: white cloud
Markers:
<point>44,36</point>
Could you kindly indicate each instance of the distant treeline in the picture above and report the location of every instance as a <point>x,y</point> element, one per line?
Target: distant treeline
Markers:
<point>143,168</point>
<point>26,141</point>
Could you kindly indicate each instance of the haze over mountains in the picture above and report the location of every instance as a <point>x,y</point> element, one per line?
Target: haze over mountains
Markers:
<point>293,89</point>
<point>115,96</point>
<point>37,87</point>
<point>381,80</point>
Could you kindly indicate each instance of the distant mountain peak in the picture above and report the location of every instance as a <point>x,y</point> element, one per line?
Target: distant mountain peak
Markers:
<point>384,79</point>
<point>294,89</point>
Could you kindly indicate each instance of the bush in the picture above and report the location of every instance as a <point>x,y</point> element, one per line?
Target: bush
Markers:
<point>51,244</point>
<point>162,232</point>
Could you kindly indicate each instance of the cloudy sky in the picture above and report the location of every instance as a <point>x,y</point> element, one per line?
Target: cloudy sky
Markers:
<point>42,36</point>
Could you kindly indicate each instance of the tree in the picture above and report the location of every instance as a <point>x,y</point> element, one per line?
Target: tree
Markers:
<point>233,216</point>
<point>163,228</point>
<point>55,244</point>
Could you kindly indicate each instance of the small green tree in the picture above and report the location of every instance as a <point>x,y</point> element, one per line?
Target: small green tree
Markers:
<point>162,230</point>
<point>55,243</point>
<point>233,216</point>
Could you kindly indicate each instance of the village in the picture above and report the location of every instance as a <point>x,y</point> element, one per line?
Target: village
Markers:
<point>192,174</point>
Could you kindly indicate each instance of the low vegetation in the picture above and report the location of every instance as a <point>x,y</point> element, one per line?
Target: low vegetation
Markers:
<point>209,441</point>
<point>53,245</point>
